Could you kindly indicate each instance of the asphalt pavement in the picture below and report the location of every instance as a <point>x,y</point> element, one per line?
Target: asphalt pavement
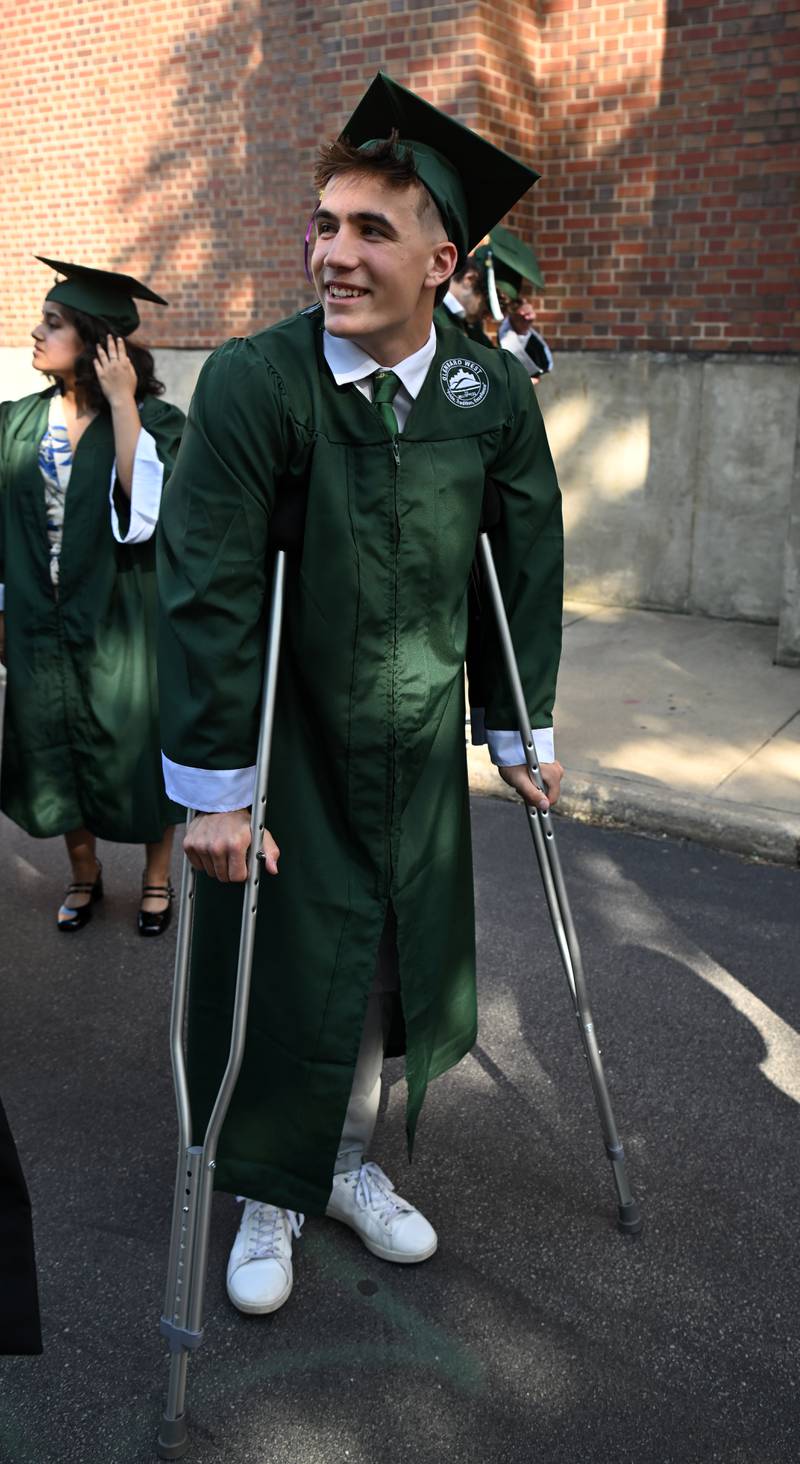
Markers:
<point>537,1332</point>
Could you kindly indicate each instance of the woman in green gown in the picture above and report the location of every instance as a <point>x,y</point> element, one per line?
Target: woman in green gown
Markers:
<point>82,468</point>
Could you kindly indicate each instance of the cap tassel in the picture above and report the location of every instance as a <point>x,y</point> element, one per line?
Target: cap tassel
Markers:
<point>491,289</point>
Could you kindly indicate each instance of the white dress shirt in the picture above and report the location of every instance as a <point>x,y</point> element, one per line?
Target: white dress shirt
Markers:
<point>452,303</point>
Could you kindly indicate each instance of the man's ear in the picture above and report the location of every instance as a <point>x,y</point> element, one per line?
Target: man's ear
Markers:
<point>444,259</point>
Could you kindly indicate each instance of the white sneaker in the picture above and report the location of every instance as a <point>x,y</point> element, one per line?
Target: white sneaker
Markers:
<point>365,1199</point>
<point>260,1265</point>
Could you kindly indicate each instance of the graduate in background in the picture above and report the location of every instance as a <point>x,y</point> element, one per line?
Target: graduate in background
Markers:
<point>518,335</point>
<point>491,287</point>
<point>466,303</point>
<point>514,265</point>
<point>386,426</point>
<point>82,468</point>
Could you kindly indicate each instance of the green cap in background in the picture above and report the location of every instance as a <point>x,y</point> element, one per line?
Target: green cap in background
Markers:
<point>514,261</point>
<point>472,182</point>
<point>101,293</point>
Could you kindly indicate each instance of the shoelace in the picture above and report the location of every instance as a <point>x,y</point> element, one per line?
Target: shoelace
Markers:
<point>262,1237</point>
<point>375,1191</point>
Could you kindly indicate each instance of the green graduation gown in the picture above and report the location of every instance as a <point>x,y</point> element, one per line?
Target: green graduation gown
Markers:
<point>368,796</point>
<point>81,744</point>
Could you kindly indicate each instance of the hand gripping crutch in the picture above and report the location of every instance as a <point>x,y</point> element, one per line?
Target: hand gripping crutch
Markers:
<point>544,842</point>
<point>182,1321</point>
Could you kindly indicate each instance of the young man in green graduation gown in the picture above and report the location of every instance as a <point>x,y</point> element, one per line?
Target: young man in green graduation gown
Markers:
<point>388,426</point>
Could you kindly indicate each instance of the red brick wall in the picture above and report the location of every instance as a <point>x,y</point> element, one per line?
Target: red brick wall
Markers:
<point>670,139</point>
<point>175,142</point>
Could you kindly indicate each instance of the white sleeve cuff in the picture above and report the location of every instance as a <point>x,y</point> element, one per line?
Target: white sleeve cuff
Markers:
<point>506,750</point>
<point>206,790</point>
<point>516,344</point>
<point>148,479</point>
<point>2,597</point>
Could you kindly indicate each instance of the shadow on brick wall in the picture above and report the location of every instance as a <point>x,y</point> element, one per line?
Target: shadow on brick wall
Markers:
<point>212,188</point>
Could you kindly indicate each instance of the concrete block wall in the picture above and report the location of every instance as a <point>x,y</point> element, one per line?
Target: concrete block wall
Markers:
<point>680,481</point>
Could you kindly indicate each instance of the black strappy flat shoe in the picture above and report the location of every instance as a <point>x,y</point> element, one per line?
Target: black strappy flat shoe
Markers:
<point>155,922</point>
<point>80,915</point>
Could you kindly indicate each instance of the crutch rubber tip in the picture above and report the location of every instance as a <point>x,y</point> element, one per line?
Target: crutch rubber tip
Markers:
<point>173,1438</point>
<point>630,1221</point>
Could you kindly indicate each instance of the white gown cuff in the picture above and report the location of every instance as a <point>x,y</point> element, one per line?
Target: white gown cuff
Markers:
<point>506,750</point>
<point>148,479</point>
<point>207,790</point>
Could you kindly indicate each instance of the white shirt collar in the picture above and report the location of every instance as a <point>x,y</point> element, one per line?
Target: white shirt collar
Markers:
<point>452,303</point>
<point>349,362</point>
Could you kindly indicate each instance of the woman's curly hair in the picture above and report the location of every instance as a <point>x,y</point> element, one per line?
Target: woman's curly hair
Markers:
<point>93,332</point>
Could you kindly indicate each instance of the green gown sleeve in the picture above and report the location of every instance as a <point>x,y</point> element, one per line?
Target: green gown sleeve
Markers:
<point>212,561</point>
<point>166,425</point>
<point>527,545</point>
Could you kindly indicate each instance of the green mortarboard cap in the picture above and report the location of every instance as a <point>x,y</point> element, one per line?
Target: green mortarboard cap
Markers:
<point>514,261</point>
<point>472,182</point>
<point>100,292</point>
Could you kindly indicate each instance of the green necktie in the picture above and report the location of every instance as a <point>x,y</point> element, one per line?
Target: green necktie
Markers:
<point>385,386</point>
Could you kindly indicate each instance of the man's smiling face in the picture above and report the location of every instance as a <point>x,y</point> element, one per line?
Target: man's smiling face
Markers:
<point>379,256</point>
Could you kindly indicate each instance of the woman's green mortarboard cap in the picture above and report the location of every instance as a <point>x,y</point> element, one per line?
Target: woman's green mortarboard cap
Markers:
<point>472,182</point>
<point>101,293</point>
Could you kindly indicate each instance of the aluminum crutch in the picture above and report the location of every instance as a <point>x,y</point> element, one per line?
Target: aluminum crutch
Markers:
<point>544,842</point>
<point>182,1322</point>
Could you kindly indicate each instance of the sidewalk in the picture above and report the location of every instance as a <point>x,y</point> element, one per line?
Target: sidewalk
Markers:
<point>675,724</point>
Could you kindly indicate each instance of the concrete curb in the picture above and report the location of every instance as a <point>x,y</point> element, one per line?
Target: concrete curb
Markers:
<point>618,802</point>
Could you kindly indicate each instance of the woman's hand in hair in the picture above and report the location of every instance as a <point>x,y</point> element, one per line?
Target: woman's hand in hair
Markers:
<point>115,372</point>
